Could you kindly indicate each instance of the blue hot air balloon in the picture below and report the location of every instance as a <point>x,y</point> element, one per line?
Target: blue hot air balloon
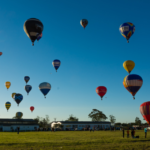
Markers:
<point>26,78</point>
<point>45,88</point>
<point>127,30</point>
<point>56,63</point>
<point>28,88</point>
<point>133,83</point>
<point>18,98</point>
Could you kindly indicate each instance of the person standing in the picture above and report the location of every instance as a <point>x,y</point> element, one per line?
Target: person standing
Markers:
<point>123,132</point>
<point>18,128</point>
<point>128,133</point>
<point>145,130</point>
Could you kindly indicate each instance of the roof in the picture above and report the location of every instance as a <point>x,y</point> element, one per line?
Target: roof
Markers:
<point>83,122</point>
<point>17,120</point>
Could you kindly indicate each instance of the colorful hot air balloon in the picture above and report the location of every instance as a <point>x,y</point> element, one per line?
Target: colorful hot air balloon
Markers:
<point>39,37</point>
<point>26,78</point>
<point>84,23</point>
<point>101,91</point>
<point>56,63</point>
<point>1,53</point>
<point>18,98</point>
<point>12,95</point>
<point>127,30</point>
<point>7,84</point>
<point>145,111</point>
<point>19,115</point>
<point>7,105</point>
<point>128,65</point>
<point>33,27</point>
<point>28,88</point>
<point>31,108</point>
<point>133,83</point>
<point>45,88</point>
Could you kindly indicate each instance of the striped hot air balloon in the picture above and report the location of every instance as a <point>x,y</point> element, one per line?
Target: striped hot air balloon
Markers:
<point>19,115</point>
<point>7,105</point>
<point>56,63</point>
<point>45,87</point>
<point>133,83</point>
<point>145,111</point>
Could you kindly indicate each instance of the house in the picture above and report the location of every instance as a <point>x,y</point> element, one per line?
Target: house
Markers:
<point>12,124</point>
<point>82,124</point>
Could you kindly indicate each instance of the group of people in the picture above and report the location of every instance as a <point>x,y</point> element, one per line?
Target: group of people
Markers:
<point>133,133</point>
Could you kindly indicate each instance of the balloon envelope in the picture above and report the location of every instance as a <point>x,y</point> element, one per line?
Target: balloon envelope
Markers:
<point>133,83</point>
<point>128,65</point>
<point>31,108</point>
<point>19,115</point>
<point>28,88</point>
<point>84,22</point>
<point>145,111</point>
<point>12,95</point>
<point>56,63</point>
<point>127,30</point>
<point>18,98</point>
<point>7,105</point>
<point>101,91</point>
<point>26,78</point>
<point>33,28</point>
<point>7,84</point>
<point>1,53</point>
<point>45,88</point>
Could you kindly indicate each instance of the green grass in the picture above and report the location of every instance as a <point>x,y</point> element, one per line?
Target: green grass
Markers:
<point>98,140</point>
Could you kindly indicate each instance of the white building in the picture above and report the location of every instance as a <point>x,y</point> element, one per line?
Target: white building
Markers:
<point>82,124</point>
<point>12,124</point>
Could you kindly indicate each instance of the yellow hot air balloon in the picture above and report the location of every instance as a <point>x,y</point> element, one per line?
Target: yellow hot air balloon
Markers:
<point>12,95</point>
<point>7,84</point>
<point>7,105</point>
<point>128,65</point>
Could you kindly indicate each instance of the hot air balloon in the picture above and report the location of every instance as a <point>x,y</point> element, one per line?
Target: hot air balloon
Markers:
<point>26,78</point>
<point>127,30</point>
<point>101,91</point>
<point>18,98</point>
<point>33,28</point>
<point>7,105</point>
<point>84,23</point>
<point>45,88</point>
<point>39,37</point>
<point>31,108</point>
<point>7,84</point>
<point>19,115</point>
<point>28,88</point>
<point>56,63</point>
<point>128,65</point>
<point>1,53</point>
<point>133,83</point>
<point>145,111</point>
<point>13,94</point>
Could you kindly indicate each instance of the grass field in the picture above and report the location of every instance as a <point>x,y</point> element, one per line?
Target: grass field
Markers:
<point>98,140</point>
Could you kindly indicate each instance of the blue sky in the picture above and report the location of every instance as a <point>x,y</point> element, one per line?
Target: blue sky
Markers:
<point>89,58</point>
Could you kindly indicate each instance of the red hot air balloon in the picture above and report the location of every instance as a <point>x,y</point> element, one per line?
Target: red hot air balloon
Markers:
<point>145,111</point>
<point>101,91</point>
<point>31,108</point>
<point>1,53</point>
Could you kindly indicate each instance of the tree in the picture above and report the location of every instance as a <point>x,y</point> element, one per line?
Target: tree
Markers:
<point>72,118</point>
<point>112,118</point>
<point>97,115</point>
<point>43,122</point>
<point>137,121</point>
